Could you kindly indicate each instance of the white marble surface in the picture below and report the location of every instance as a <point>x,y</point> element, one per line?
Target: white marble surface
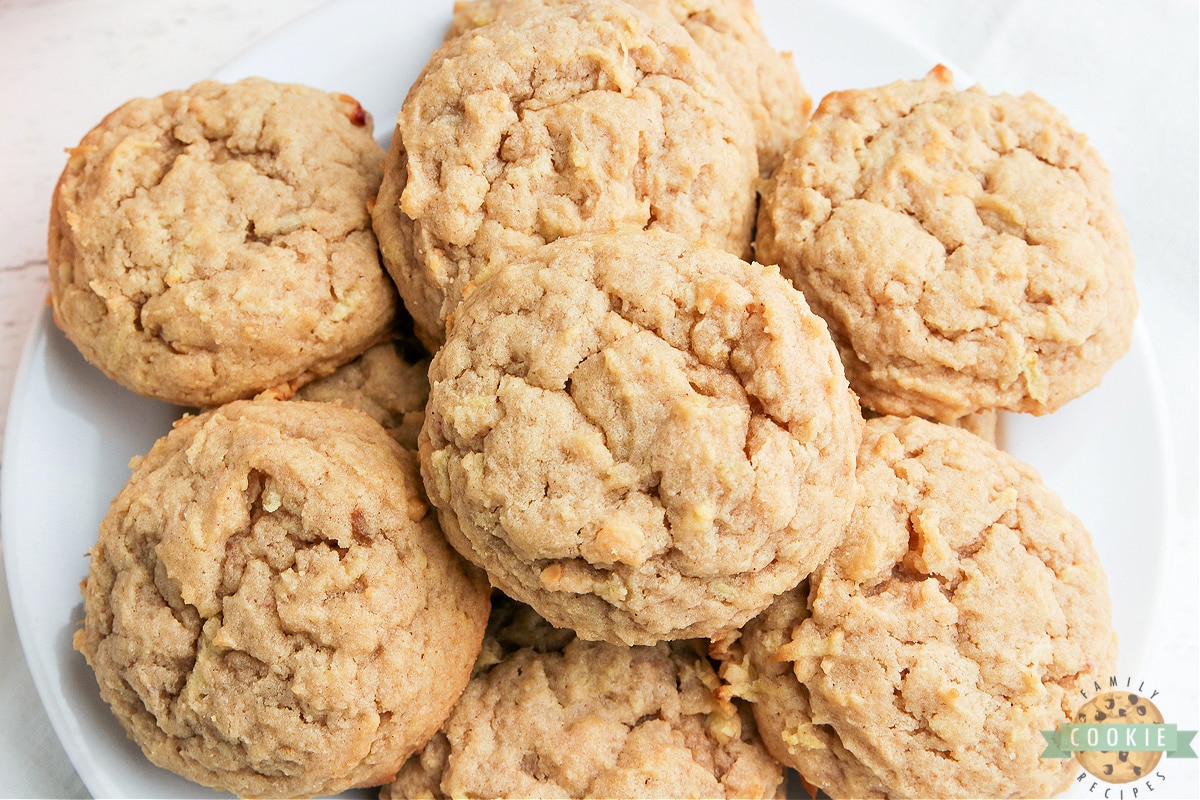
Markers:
<point>1126,73</point>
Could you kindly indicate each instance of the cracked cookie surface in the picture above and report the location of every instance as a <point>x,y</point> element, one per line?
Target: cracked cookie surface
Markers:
<point>271,609</point>
<point>729,31</point>
<point>958,619</point>
<point>549,715</point>
<point>213,243</point>
<point>640,438</point>
<point>554,121</point>
<point>965,249</point>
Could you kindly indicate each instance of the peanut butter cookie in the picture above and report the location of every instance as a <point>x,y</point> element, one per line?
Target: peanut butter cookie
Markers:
<point>958,619</point>
<point>390,382</point>
<point>640,438</point>
<point>985,424</point>
<point>214,243</point>
<point>965,249</point>
<point>551,121</point>
<point>763,78</point>
<point>590,719</point>
<point>270,609</point>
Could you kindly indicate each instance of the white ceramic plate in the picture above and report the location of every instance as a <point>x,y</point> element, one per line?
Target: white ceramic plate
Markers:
<point>71,432</point>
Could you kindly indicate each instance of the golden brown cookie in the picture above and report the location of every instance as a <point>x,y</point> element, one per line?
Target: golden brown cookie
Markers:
<point>959,618</point>
<point>390,382</point>
<point>729,31</point>
<point>641,438</point>
<point>984,423</point>
<point>965,249</point>
<point>270,609</point>
<point>214,243</point>
<point>590,719</point>
<point>553,121</point>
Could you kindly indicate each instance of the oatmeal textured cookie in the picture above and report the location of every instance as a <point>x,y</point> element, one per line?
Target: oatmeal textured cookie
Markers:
<point>271,610</point>
<point>640,438</point>
<point>214,243</point>
<point>965,249</point>
<point>959,618</point>
<point>590,719</point>
<point>552,121</point>
<point>729,31</point>
<point>390,382</point>
<point>984,423</point>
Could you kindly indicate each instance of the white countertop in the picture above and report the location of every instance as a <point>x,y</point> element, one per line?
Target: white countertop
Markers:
<point>1124,73</point>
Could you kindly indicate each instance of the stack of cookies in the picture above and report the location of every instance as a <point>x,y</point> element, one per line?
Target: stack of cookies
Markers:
<point>616,418</point>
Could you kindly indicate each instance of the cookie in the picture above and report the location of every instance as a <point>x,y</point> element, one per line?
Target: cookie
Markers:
<point>214,243</point>
<point>641,438</point>
<point>270,608</point>
<point>984,423</point>
<point>965,249</point>
<point>553,121</point>
<point>390,382</point>
<point>959,618</point>
<point>590,719</point>
<point>1119,708</point>
<point>729,31</point>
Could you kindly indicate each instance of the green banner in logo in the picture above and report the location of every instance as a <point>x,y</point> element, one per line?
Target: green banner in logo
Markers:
<point>1075,738</point>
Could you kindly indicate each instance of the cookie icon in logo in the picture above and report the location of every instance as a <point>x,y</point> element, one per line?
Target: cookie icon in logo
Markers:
<point>1119,708</point>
